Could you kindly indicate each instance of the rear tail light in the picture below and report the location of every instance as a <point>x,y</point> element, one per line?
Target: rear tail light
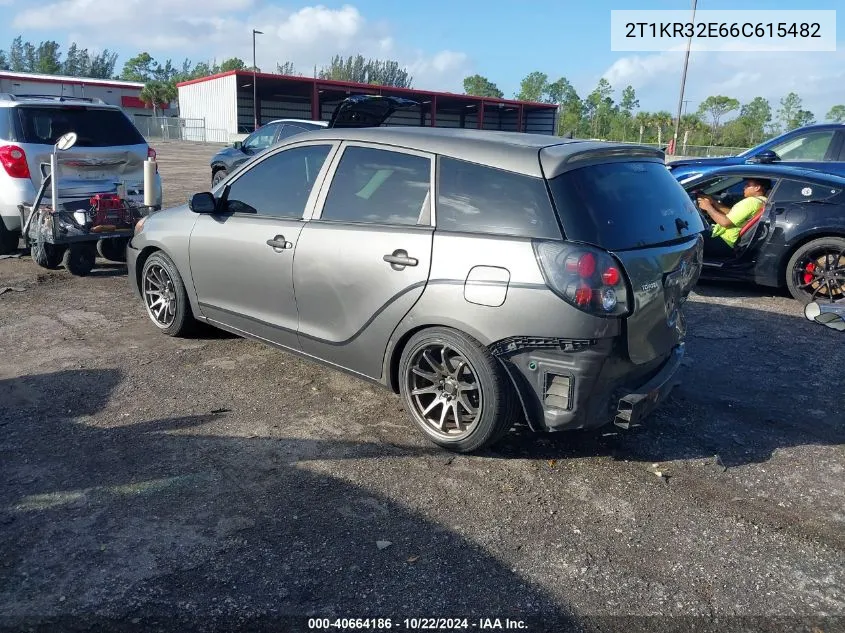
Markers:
<point>14,162</point>
<point>585,277</point>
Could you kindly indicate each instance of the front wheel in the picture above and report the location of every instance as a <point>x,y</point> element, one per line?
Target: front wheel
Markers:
<point>455,391</point>
<point>219,175</point>
<point>165,297</point>
<point>816,272</point>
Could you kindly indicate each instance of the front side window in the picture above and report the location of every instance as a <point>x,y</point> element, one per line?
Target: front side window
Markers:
<point>278,186</point>
<point>807,147</point>
<point>482,199</point>
<point>378,186</point>
<point>262,138</point>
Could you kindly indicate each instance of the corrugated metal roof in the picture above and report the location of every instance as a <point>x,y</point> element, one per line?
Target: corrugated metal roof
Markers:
<point>310,81</point>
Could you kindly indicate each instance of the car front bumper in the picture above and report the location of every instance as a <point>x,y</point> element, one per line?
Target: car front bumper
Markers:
<point>589,384</point>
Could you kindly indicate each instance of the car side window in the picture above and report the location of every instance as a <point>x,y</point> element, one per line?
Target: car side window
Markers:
<point>481,199</point>
<point>289,130</point>
<point>278,186</point>
<point>798,191</point>
<point>378,186</point>
<point>262,138</point>
<point>807,147</point>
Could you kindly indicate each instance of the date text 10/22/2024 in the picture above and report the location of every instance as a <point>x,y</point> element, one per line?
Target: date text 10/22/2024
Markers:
<point>414,624</point>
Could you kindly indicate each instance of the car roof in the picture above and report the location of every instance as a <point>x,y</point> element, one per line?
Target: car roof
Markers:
<point>771,172</point>
<point>531,154</point>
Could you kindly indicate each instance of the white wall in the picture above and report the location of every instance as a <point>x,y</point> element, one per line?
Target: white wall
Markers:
<point>215,101</point>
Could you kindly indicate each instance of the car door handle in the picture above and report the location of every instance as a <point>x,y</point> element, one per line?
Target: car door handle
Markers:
<point>398,259</point>
<point>279,243</point>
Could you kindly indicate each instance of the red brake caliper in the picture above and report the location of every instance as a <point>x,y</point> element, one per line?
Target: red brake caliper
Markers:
<point>808,272</point>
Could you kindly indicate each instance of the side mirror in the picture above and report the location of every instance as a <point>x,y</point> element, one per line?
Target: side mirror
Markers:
<point>202,203</point>
<point>764,158</point>
<point>66,141</point>
<point>237,144</point>
<point>831,315</point>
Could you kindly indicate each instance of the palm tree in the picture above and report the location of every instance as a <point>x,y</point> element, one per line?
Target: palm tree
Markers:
<point>660,119</point>
<point>158,93</point>
<point>643,119</point>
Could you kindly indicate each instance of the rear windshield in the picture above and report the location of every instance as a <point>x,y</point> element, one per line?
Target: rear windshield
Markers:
<point>623,205</point>
<point>94,127</point>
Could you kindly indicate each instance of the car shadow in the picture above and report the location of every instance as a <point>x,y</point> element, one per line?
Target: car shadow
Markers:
<point>753,382</point>
<point>168,523</point>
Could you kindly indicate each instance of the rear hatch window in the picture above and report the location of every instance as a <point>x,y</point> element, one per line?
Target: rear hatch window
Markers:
<point>95,127</point>
<point>624,205</point>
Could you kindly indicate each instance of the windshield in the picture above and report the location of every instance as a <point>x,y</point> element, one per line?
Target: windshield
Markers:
<point>94,127</point>
<point>624,205</point>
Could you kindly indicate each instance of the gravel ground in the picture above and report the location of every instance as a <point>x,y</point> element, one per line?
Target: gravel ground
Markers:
<point>150,483</point>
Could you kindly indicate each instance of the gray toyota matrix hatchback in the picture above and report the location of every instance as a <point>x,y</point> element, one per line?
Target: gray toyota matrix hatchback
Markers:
<point>487,277</point>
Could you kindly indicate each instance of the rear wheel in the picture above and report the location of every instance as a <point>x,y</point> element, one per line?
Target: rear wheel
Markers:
<point>816,272</point>
<point>455,391</point>
<point>165,297</point>
<point>8,239</point>
<point>46,255</point>
<point>79,258</point>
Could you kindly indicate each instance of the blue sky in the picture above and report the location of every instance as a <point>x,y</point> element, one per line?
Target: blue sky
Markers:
<point>441,41</point>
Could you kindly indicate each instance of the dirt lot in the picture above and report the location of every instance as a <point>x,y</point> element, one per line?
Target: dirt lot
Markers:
<point>209,483</point>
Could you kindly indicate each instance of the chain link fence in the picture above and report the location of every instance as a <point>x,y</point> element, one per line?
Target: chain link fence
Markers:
<point>178,129</point>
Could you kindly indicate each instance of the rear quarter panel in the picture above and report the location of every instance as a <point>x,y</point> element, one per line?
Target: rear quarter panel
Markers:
<point>520,306</point>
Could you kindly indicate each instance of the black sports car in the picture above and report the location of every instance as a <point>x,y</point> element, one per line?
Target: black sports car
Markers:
<point>796,241</point>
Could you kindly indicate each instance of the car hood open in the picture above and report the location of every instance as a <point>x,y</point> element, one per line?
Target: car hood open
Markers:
<point>367,110</point>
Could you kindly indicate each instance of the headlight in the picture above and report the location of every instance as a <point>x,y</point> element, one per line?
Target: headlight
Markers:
<point>139,225</point>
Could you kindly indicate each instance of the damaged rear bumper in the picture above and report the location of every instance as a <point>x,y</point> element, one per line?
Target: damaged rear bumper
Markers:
<point>588,384</point>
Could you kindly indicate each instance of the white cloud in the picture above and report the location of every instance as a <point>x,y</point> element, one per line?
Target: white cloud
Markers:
<point>218,29</point>
<point>817,77</point>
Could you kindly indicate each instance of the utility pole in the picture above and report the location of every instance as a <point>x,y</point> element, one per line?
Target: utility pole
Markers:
<point>254,80</point>
<point>683,82</point>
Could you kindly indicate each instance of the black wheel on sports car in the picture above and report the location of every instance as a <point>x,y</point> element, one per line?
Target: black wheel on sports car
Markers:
<point>816,271</point>
<point>455,390</point>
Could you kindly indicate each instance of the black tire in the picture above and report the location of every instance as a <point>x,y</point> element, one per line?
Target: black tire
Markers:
<point>113,249</point>
<point>9,240</point>
<point>497,404</point>
<point>821,262</point>
<point>217,176</point>
<point>178,321</point>
<point>79,258</point>
<point>47,255</point>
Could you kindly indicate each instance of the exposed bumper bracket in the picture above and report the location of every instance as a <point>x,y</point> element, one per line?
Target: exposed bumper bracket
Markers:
<point>633,407</point>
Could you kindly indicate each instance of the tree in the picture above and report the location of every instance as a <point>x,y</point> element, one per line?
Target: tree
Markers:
<point>73,61</point>
<point>139,68</point>
<point>286,69</point>
<point>643,121</point>
<point>570,107</point>
<point>102,66</point>
<point>367,71</point>
<point>233,63</point>
<point>479,86</point>
<point>717,106</point>
<point>629,101</point>
<point>804,117</point>
<point>533,87</point>
<point>790,106</point>
<point>29,58</point>
<point>836,114</point>
<point>16,60</point>
<point>47,58</point>
<point>598,105</point>
<point>753,117</point>
<point>4,62</point>
<point>158,94</point>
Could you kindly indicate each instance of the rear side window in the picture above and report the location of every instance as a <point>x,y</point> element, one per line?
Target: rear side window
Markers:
<point>378,186</point>
<point>479,199</point>
<point>94,127</point>
<point>797,191</point>
<point>622,205</point>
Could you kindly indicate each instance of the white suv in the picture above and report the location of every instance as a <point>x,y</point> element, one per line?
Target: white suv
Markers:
<point>109,150</point>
